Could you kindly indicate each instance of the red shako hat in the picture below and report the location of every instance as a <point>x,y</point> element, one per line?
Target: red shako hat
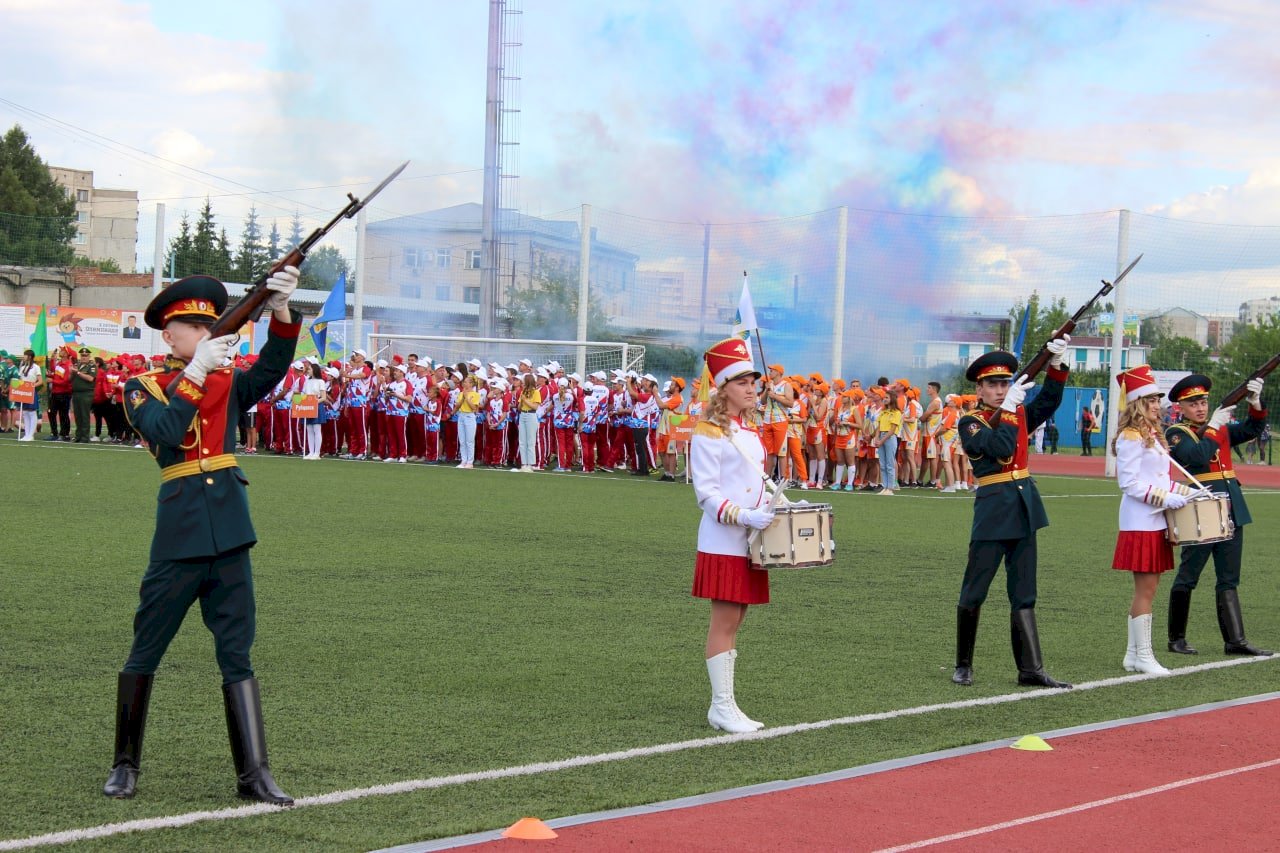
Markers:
<point>728,360</point>
<point>1138,382</point>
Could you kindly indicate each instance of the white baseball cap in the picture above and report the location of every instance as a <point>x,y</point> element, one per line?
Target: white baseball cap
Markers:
<point>360,353</point>
<point>649,377</point>
<point>599,374</point>
<point>332,372</point>
<point>475,362</point>
<point>562,382</point>
<point>554,365</point>
<point>575,377</point>
<point>382,362</point>
<point>526,361</point>
<point>544,373</point>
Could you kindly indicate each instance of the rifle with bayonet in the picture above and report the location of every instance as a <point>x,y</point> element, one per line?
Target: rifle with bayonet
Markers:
<point>1037,364</point>
<point>249,308</point>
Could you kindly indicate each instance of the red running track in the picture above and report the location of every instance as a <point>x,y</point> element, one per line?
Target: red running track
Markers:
<point>1072,464</point>
<point>976,792</point>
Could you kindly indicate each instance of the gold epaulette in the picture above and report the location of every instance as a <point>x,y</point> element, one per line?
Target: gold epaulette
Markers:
<point>1130,434</point>
<point>708,429</point>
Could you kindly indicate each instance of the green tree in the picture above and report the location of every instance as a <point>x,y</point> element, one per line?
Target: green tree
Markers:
<point>1173,352</point>
<point>295,232</point>
<point>273,243</point>
<point>322,267</point>
<point>103,264</point>
<point>252,259</point>
<point>549,309</point>
<point>180,261</point>
<point>220,268</point>
<point>37,216</point>
<point>1043,322</point>
<point>204,241</point>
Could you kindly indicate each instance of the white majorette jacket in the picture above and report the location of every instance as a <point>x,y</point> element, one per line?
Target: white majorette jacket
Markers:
<point>725,483</point>
<point>1143,476</point>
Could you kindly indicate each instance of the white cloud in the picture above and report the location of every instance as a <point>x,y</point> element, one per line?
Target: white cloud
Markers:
<point>1253,202</point>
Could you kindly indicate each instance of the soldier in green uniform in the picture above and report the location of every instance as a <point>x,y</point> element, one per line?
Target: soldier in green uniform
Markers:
<point>1007,510</point>
<point>188,413</point>
<point>1201,443</point>
<point>83,375</point>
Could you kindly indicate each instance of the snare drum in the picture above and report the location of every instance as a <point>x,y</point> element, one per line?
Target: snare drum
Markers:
<point>799,538</point>
<point>1203,520</point>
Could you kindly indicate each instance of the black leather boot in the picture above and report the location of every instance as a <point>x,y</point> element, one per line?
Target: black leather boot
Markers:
<point>1026,650</point>
<point>966,636</point>
<point>1179,610</point>
<point>133,694</point>
<point>1232,625</point>
<point>249,744</point>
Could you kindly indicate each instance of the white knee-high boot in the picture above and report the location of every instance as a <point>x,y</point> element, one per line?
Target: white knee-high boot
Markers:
<point>28,426</point>
<point>724,713</point>
<point>1131,651</point>
<point>1143,658</point>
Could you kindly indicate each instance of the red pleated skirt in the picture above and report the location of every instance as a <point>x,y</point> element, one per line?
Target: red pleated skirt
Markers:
<point>725,578</point>
<point>1143,551</point>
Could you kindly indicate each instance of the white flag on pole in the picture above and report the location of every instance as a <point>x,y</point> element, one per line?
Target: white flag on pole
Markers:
<point>745,322</point>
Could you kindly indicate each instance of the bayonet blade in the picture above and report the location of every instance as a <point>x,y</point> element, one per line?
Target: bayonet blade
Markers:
<point>388,179</point>
<point>1109,284</point>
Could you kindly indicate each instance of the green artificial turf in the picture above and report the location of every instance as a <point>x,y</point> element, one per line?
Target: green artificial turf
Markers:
<point>419,621</point>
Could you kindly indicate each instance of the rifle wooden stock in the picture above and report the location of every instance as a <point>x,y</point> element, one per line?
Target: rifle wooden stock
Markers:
<point>1241,391</point>
<point>249,308</point>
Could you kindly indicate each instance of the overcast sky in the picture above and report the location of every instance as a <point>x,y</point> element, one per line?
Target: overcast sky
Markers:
<point>709,111</point>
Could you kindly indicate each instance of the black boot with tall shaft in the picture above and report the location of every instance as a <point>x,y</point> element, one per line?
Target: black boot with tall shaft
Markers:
<point>1231,623</point>
<point>966,637</point>
<point>1026,650</point>
<point>1179,611</point>
<point>133,695</point>
<point>249,744</point>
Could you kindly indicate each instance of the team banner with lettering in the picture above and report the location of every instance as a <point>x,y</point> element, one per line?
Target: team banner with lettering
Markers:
<point>304,406</point>
<point>22,392</point>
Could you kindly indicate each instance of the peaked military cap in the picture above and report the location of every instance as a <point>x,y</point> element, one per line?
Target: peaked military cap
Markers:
<point>996,364</point>
<point>1190,387</point>
<point>194,299</point>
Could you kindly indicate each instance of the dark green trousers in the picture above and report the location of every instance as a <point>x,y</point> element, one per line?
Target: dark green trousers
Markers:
<point>1019,557</point>
<point>224,587</point>
<point>82,411</point>
<point>1226,563</point>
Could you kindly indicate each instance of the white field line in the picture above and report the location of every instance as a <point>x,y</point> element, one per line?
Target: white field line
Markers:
<point>188,818</point>
<point>1082,807</point>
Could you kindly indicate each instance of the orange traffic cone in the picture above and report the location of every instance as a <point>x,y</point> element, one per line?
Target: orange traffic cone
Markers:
<point>529,829</point>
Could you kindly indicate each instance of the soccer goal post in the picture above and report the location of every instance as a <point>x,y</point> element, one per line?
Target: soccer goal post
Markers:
<point>583,356</point>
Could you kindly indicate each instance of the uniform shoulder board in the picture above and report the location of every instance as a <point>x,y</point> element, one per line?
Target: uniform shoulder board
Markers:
<point>707,429</point>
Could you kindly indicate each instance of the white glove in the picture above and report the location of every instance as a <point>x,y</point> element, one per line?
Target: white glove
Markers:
<point>1255,393</point>
<point>1058,346</point>
<point>756,519</point>
<point>1221,417</point>
<point>1017,393</point>
<point>210,354</point>
<point>1173,500</point>
<point>283,283</point>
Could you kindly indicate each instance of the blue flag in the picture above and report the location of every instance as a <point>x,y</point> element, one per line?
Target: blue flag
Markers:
<point>334,309</point>
<point>1021,340</point>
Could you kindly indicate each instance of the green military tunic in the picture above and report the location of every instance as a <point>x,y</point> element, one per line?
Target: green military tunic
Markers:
<point>200,549</point>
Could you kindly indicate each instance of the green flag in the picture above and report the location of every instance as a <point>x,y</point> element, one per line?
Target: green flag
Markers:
<point>40,337</point>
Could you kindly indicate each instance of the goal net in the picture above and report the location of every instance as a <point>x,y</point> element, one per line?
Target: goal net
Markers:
<point>583,357</point>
